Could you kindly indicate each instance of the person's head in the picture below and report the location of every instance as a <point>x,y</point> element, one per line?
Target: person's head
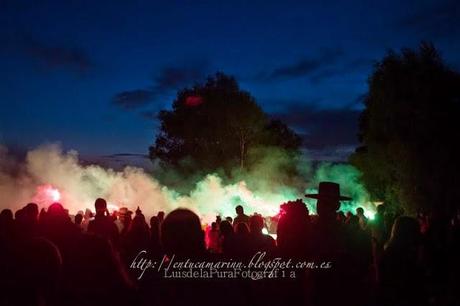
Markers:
<point>214,226</point>
<point>340,216</point>
<point>31,211</point>
<point>182,234</point>
<point>239,210</point>
<point>88,214</point>
<point>56,214</point>
<point>100,205</point>
<point>229,220</point>
<point>360,211</point>
<point>292,227</point>
<point>78,219</point>
<point>56,210</point>
<point>161,216</point>
<point>155,228</point>
<point>138,224</point>
<point>329,198</point>
<point>353,221</point>
<point>225,228</point>
<point>381,209</point>
<point>154,222</point>
<point>19,215</point>
<point>6,215</point>
<point>256,224</point>
<point>327,207</point>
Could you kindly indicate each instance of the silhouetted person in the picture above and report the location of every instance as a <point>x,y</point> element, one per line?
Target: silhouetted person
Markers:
<point>293,229</point>
<point>348,216</point>
<point>78,221</point>
<point>161,216</point>
<point>103,225</point>
<point>362,217</point>
<point>258,240</point>
<point>37,272</point>
<point>181,234</point>
<point>8,256</point>
<point>239,245</point>
<point>240,216</point>
<point>6,225</point>
<point>26,221</point>
<point>400,270</point>
<point>96,275</point>
<point>292,236</point>
<point>329,243</point>
<point>360,246</point>
<point>340,216</point>
<point>137,237</point>
<point>57,226</point>
<point>124,220</point>
<point>227,238</point>
<point>213,238</point>
<point>87,217</point>
<point>379,234</point>
<point>155,245</point>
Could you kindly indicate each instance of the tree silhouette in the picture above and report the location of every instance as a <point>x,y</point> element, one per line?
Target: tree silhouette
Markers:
<point>213,126</point>
<point>409,131</point>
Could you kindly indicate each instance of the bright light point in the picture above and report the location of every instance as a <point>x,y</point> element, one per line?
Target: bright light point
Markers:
<point>369,214</point>
<point>47,194</point>
<point>265,231</point>
<point>54,194</point>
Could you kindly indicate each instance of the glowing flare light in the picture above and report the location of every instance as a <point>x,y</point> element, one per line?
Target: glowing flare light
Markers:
<point>47,194</point>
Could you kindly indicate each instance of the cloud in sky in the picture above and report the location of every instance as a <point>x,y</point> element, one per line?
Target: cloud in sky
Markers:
<point>168,80</point>
<point>132,99</point>
<point>327,64</point>
<point>306,66</point>
<point>46,55</point>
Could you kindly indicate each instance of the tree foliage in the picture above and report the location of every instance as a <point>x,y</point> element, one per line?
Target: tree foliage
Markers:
<point>409,131</point>
<point>213,126</point>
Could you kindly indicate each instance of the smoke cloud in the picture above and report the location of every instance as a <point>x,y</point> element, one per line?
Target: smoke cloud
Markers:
<point>261,190</point>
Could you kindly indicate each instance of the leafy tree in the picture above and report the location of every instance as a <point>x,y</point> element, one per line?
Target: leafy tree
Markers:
<point>213,126</point>
<point>409,132</point>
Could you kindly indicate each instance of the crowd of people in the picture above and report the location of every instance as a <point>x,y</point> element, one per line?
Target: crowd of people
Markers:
<point>50,258</point>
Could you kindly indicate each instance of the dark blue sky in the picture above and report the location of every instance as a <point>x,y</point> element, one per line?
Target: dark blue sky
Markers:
<point>92,74</point>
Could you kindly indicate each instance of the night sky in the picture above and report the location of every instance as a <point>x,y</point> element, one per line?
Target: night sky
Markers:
<point>91,75</point>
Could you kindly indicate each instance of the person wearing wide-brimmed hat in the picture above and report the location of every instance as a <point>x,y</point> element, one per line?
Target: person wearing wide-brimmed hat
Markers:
<point>329,245</point>
<point>329,198</point>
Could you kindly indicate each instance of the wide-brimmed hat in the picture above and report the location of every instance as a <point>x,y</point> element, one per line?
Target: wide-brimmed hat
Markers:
<point>328,190</point>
